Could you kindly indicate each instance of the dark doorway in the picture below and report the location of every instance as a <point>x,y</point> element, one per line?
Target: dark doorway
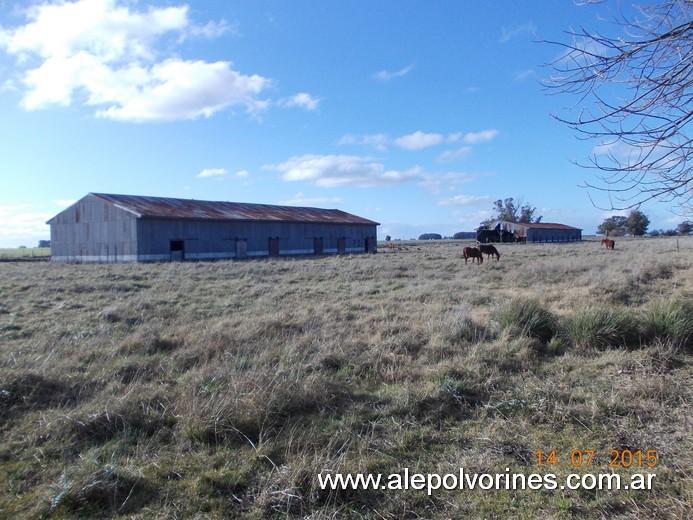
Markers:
<point>274,247</point>
<point>341,246</point>
<point>370,245</point>
<point>177,250</point>
<point>317,245</point>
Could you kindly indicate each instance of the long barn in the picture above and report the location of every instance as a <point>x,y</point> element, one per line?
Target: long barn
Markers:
<point>103,227</point>
<point>504,231</point>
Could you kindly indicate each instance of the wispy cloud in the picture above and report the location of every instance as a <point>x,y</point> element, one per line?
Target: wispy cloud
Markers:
<point>415,141</point>
<point>510,33</point>
<point>464,200</point>
<point>64,203</point>
<point>446,182</point>
<point>22,222</point>
<point>479,137</point>
<point>379,142</point>
<point>455,155</point>
<point>418,140</point>
<point>525,74</point>
<point>341,170</point>
<point>301,100</point>
<point>107,55</point>
<point>301,200</point>
<point>213,172</point>
<point>385,75</point>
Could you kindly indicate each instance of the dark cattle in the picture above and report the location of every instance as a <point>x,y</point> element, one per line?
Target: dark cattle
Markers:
<point>489,250</point>
<point>610,244</point>
<point>472,252</point>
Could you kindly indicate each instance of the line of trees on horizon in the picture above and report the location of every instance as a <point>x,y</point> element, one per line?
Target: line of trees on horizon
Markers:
<point>636,223</point>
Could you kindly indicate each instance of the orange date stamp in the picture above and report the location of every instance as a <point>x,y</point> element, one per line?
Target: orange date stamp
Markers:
<point>624,458</point>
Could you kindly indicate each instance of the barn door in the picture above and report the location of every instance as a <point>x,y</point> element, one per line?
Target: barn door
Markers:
<point>274,247</point>
<point>317,245</point>
<point>177,250</point>
<point>341,246</point>
<point>241,248</point>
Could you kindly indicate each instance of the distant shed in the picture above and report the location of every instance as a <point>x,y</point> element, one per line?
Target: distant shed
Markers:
<point>103,227</point>
<point>504,231</point>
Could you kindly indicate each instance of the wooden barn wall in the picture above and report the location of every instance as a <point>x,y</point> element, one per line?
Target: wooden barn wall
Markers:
<point>553,235</point>
<point>216,239</point>
<point>93,231</point>
<point>543,234</point>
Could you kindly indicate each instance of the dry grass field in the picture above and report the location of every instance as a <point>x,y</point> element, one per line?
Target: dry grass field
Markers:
<point>212,390</point>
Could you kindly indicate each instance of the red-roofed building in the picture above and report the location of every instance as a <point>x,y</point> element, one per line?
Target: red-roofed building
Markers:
<point>103,227</point>
<point>504,231</point>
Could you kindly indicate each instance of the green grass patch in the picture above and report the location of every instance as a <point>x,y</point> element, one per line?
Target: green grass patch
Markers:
<point>25,253</point>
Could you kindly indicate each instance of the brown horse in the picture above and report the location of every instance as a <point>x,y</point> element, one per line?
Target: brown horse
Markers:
<point>489,250</point>
<point>610,244</point>
<point>472,252</point>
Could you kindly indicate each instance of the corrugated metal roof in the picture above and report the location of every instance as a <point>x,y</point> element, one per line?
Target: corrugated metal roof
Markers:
<point>547,225</point>
<point>164,207</point>
<point>540,225</point>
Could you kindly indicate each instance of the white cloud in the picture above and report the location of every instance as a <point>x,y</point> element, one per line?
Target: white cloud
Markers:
<point>415,141</point>
<point>105,55</point>
<point>384,75</point>
<point>479,137</point>
<point>23,225</point>
<point>377,141</point>
<point>341,170</point>
<point>418,140</point>
<point>464,200</point>
<point>454,155</point>
<point>302,100</point>
<point>64,203</point>
<point>445,181</point>
<point>471,220</point>
<point>213,172</point>
<point>242,174</point>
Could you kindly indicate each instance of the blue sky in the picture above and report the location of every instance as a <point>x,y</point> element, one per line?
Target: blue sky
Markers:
<point>416,114</point>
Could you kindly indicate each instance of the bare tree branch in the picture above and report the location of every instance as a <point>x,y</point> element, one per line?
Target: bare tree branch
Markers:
<point>634,97</point>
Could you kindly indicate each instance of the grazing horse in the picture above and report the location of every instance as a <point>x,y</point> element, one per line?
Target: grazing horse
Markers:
<point>489,250</point>
<point>608,243</point>
<point>472,252</point>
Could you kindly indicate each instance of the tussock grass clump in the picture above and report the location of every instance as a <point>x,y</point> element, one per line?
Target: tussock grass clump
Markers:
<point>91,486</point>
<point>669,322</point>
<point>599,327</point>
<point>22,392</point>
<point>524,317</point>
<point>467,331</point>
<point>142,413</point>
<point>249,407</point>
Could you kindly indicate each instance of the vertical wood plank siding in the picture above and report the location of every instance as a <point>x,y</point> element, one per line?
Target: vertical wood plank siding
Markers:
<point>95,230</point>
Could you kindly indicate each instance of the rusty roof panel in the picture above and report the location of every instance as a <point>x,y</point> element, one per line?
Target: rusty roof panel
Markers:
<point>538,225</point>
<point>164,207</point>
<point>546,225</point>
